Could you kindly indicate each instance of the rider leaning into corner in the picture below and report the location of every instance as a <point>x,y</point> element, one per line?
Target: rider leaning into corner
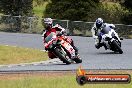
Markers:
<point>96,31</point>
<point>57,28</point>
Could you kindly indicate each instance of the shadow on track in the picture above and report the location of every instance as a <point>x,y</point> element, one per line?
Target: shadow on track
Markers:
<point>55,64</point>
<point>105,53</point>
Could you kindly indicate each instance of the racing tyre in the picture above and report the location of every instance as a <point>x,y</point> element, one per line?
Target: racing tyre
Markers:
<point>62,56</point>
<point>117,47</point>
<point>78,60</point>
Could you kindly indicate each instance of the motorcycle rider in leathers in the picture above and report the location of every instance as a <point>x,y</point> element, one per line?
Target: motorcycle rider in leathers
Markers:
<point>96,32</point>
<point>50,28</point>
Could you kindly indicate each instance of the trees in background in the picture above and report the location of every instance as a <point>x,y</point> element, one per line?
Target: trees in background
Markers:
<point>127,19</point>
<point>86,10</point>
<point>127,4</point>
<point>16,7</point>
<point>70,9</point>
<point>39,2</point>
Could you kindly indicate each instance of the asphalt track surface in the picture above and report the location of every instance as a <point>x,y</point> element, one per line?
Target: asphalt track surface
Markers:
<point>92,58</point>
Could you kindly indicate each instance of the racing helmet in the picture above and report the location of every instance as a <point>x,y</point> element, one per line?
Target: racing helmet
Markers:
<point>48,21</point>
<point>99,22</point>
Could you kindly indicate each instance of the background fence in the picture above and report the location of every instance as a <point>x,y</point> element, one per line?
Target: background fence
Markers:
<point>35,25</point>
<point>84,28</point>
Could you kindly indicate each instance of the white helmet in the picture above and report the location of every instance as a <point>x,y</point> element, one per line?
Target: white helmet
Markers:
<point>99,22</point>
<point>48,21</point>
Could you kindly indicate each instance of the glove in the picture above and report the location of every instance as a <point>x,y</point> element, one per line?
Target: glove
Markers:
<point>95,37</point>
<point>59,34</point>
<point>46,49</point>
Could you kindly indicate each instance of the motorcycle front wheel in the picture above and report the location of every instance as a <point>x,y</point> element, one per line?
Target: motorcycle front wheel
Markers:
<point>117,47</point>
<point>78,59</point>
<point>62,55</point>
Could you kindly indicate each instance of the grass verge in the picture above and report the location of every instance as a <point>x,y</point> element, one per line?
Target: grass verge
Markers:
<point>51,80</point>
<point>14,55</point>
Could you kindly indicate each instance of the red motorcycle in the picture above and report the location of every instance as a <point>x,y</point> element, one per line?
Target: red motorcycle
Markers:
<point>61,48</point>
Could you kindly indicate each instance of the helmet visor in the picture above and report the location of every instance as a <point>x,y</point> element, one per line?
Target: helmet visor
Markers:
<point>98,25</point>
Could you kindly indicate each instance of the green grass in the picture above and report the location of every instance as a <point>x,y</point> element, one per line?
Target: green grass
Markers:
<point>65,81</point>
<point>13,55</point>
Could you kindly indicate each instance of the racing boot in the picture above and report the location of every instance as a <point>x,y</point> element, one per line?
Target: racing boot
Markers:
<point>98,45</point>
<point>76,52</point>
<point>74,47</point>
<point>105,46</point>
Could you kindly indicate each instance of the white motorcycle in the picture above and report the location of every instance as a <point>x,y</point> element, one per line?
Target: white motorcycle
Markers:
<point>111,39</point>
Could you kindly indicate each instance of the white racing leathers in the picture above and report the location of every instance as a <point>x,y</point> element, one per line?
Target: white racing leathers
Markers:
<point>95,31</point>
<point>107,37</point>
